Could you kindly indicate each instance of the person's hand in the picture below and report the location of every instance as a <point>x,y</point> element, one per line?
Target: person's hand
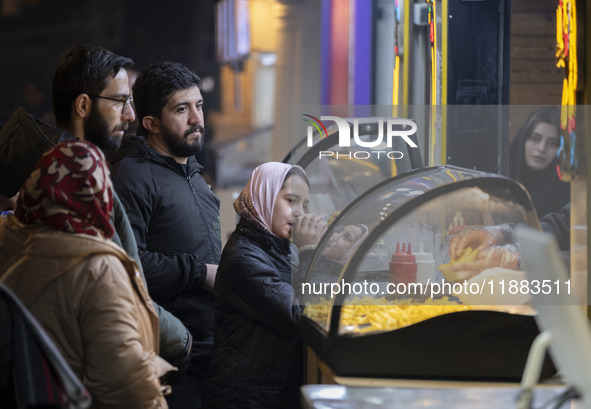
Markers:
<point>212,270</point>
<point>307,229</point>
<point>181,360</point>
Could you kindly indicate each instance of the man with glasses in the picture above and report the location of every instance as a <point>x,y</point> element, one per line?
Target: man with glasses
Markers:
<point>92,96</point>
<point>92,101</point>
<point>125,102</point>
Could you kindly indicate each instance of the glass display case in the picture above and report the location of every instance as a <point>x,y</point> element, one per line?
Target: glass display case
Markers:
<point>419,278</point>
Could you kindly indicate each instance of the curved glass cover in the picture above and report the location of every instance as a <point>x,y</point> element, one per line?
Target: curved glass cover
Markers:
<point>422,244</point>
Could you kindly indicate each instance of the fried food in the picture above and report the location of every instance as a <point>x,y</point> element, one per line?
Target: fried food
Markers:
<point>474,261</point>
<point>476,240</point>
<point>366,314</point>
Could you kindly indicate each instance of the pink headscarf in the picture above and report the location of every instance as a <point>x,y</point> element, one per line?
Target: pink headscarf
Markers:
<point>69,190</point>
<point>257,200</point>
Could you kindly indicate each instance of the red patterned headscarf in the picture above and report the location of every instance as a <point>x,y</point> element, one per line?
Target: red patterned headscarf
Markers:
<point>69,190</point>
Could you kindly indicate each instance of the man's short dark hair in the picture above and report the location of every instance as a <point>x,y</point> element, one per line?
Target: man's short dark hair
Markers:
<point>84,69</point>
<point>155,85</point>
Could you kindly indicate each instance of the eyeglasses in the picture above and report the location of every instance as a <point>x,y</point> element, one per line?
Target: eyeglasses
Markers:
<point>126,102</point>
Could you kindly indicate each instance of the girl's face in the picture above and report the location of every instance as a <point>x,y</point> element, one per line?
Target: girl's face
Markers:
<point>291,201</point>
<point>541,146</point>
<point>341,241</point>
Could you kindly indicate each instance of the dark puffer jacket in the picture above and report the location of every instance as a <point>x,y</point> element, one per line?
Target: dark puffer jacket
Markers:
<point>256,362</point>
<point>175,219</point>
<point>558,223</point>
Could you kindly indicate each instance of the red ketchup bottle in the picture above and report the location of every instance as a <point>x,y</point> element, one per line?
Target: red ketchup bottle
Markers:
<point>403,267</point>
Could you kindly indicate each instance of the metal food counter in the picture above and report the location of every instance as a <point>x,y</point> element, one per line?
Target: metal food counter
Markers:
<point>456,397</point>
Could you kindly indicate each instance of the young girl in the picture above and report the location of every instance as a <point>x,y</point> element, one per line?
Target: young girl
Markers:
<point>257,355</point>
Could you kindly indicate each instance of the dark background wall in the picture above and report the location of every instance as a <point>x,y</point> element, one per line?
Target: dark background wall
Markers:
<point>535,79</point>
<point>34,33</point>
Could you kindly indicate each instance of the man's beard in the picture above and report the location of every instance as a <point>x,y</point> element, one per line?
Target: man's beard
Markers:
<point>96,130</point>
<point>178,146</point>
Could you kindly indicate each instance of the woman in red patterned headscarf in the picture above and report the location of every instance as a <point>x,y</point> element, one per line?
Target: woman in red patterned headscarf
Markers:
<point>69,190</point>
<point>55,254</point>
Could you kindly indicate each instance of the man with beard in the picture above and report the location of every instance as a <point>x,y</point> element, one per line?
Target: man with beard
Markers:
<point>173,212</point>
<point>91,96</point>
<point>92,101</point>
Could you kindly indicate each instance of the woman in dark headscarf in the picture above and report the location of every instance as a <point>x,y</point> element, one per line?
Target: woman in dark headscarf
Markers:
<point>533,160</point>
<point>88,294</point>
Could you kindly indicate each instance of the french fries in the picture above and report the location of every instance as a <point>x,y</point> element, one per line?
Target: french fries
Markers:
<point>468,255</point>
<point>366,314</point>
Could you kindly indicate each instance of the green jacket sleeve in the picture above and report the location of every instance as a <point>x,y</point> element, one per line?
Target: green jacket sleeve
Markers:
<point>175,339</point>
